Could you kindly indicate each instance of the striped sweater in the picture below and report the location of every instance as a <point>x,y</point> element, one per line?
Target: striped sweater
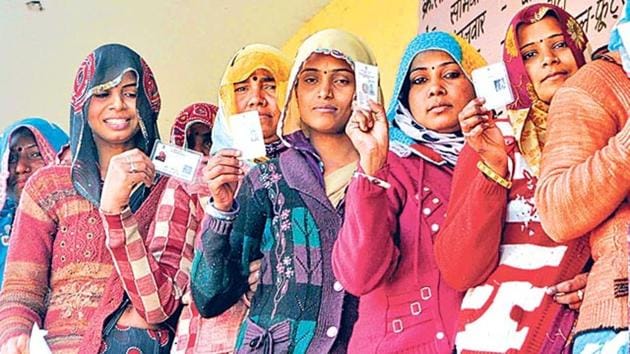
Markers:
<point>61,275</point>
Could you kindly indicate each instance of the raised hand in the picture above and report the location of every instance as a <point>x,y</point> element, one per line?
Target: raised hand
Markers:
<point>368,132</point>
<point>483,135</point>
<point>125,171</point>
<point>223,174</point>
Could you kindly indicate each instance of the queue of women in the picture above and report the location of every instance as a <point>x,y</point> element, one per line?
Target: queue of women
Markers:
<point>432,226</point>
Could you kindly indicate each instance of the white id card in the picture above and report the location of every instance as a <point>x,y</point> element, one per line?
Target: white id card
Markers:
<point>366,77</point>
<point>37,343</point>
<point>248,136</point>
<point>492,83</point>
<point>174,161</point>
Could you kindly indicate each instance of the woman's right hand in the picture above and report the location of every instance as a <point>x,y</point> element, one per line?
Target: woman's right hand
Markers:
<point>223,174</point>
<point>16,345</point>
<point>483,135</point>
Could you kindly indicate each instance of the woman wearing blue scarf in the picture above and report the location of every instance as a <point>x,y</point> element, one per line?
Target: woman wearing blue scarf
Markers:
<point>25,146</point>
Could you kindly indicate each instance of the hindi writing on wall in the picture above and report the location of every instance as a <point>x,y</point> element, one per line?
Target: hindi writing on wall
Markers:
<point>484,23</point>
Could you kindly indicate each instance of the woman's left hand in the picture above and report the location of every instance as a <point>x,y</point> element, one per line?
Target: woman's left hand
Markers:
<point>569,292</point>
<point>368,132</point>
<point>124,172</point>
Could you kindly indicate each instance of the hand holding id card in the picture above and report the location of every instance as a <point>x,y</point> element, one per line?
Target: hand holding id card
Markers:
<point>174,161</point>
<point>493,83</point>
<point>366,77</point>
<point>248,136</point>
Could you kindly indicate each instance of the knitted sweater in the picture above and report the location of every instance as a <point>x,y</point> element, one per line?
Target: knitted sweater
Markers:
<point>384,254</point>
<point>59,273</point>
<point>286,219</point>
<point>493,243</point>
<point>588,154</point>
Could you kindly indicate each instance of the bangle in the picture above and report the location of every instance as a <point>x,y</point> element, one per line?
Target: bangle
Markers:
<point>376,181</point>
<point>220,214</point>
<point>486,170</point>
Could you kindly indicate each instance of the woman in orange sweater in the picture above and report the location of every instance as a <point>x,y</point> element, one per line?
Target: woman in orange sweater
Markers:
<point>583,189</point>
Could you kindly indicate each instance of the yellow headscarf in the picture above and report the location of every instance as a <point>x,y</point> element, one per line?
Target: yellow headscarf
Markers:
<point>335,42</point>
<point>247,60</point>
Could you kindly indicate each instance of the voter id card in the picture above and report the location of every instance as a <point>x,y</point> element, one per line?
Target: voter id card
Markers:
<point>366,77</point>
<point>174,161</point>
<point>492,83</point>
<point>248,136</point>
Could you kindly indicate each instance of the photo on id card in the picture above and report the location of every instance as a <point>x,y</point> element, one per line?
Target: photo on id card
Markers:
<point>493,83</point>
<point>172,160</point>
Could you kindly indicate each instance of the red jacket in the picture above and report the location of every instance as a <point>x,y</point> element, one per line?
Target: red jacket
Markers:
<point>384,254</point>
<point>492,242</point>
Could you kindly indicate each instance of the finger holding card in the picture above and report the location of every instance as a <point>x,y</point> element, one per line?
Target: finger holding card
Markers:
<point>125,171</point>
<point>368,131</point>
<point>223,174</point>
<point>483,135</point>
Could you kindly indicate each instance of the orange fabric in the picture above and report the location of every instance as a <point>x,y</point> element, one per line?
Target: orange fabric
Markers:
<point>584,182</point>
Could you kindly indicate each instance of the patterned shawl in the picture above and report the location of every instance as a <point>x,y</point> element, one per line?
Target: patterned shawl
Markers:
<point>103,69</point>
<point>204,113</point>
<point>528,113</point>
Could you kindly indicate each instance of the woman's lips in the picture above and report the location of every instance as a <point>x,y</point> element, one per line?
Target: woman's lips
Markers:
<point>325,109</point>
<point>555,76</point>
<point>117,123</point>
<point>440,108</point>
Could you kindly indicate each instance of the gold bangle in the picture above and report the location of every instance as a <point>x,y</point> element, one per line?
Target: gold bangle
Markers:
<point>486,170</point>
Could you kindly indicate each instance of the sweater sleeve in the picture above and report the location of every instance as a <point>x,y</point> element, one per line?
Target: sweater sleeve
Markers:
<point>220,269</point>
<point>364,254</point>
<point>155,271</point>
<point>587,153</point>
<point>467,248</point>
<point>26,278</point>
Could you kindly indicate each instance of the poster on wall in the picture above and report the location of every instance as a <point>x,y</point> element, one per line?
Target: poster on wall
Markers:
<point>484,23</point>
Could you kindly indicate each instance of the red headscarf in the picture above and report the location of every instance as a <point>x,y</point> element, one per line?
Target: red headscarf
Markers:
<point>528,113</point>
<point>195,113</point>
<point>573,35</point>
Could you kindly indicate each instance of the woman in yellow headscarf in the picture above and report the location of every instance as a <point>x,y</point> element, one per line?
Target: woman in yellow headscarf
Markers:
<point>288,213</point>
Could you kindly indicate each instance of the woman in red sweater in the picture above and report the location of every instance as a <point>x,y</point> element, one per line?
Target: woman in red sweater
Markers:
<point>395,205</point>
<point>492,241</point>
<point>77,250</point>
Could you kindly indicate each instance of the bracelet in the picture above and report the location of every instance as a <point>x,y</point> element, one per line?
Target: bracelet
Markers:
<point>377,181</point>
<point>220,214</point>
<point>486,170</point>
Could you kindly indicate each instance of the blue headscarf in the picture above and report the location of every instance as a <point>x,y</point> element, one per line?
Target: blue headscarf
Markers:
<point>404,130</point>
<point>616,44</point>
<point>49,138</point>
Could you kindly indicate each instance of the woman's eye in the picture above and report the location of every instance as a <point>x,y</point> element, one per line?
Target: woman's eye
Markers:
<point>101,94</point>
<point>342,81</point>
<point>130,94</point>
<point>418,80</point>
<point>35,155</point>
<point>270,87</point>
<point>240,89</point>
<point>561,44</point>
<point>309,80</point>
<point>453,75</point>
<point>528,55</point>
<point>13,159</point>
